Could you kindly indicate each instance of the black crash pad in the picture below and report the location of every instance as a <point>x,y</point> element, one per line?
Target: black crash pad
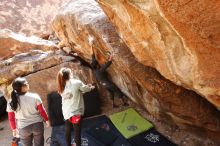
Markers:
<point>150,138</point>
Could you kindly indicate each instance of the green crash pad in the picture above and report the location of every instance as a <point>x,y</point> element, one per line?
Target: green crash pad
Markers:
<point>130,123</point>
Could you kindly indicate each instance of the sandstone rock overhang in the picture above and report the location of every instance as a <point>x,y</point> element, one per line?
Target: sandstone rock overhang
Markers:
<point>178,38</point>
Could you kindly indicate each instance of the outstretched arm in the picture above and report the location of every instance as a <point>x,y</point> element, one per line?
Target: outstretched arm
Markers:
<point>85,88</point>
<point>94,61</point>
<point>105,66</point>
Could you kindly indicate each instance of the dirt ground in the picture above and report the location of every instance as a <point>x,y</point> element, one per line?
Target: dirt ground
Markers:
<point>6,134</point>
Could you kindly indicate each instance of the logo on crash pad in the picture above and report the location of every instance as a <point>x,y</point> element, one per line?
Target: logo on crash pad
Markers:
<point>85,142</point>
<point>105,126</point>
<point>152,137</point>
<point>132,128</point>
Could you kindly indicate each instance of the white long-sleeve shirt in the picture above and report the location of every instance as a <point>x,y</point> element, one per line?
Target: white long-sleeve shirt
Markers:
<point>72,99</point>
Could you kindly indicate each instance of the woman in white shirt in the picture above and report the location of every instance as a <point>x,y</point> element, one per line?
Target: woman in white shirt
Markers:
<point>72,102</point>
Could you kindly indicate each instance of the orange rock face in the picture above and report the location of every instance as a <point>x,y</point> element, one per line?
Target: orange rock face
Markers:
<point>181,39</point>
<point>83,26</point>
<point>12,44</point>
<point>32,17</point>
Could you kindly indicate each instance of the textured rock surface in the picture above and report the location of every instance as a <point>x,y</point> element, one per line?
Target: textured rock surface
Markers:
<point>27,63</point>
<point>181,39</point>
<point>12,44</point>
<point>82,24</point>
<point>43,82</point>
<point>28,16</point>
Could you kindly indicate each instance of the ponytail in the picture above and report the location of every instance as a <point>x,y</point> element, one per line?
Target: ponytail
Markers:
<point>63,75</point>
<point>61,83</point>
<point>14,100</point>
<point>17,85</point>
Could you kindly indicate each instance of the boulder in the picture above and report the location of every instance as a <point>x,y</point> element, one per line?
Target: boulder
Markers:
<point>12,44</point>
<point>30,17</point>
<point>27,63</point>
<point>83,26</point>
<point>178,38</point>
<point>44,81</point>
